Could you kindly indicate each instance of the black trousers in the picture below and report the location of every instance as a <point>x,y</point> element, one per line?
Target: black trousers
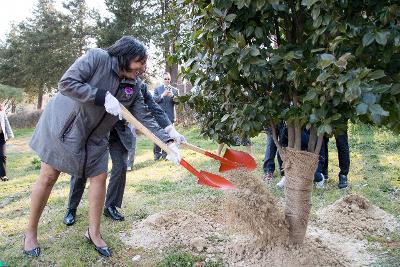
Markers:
<point>2,156</point>
<point>342,145</point>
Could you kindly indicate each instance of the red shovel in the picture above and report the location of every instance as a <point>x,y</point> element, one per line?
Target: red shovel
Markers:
<point>232,159</point>
<point>205,178</point>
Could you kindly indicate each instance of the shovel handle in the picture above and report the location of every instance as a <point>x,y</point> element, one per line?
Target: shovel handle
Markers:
<point>138,125</point>
<point>208,154</point>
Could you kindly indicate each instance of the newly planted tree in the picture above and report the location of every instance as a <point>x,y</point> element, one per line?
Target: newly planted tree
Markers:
<point>313,64</point>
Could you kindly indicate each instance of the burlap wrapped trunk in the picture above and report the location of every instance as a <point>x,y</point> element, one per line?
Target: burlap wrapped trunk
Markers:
<point>299,169</point>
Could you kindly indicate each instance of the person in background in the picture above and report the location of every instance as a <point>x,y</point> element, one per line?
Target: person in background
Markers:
<point>342,145</point>
<point>164,96</point>
<point>270,152</point>
<point>5,134</point>
<point>120,142</point>
<point>72,133</point>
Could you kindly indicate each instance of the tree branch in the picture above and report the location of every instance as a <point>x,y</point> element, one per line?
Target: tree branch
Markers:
<point>319,144</point>
<point>312,140</point>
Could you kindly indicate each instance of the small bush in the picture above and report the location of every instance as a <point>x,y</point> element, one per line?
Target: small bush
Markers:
<point>24,119</point>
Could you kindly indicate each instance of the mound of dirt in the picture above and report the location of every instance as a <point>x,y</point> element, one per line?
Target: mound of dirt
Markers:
<point>242,251</point>
<point>170,228</point>
<point>253,208</point>
<point>354,216</point>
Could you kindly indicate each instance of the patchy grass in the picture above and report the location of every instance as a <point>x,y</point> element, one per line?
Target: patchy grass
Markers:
<point>156,186</point>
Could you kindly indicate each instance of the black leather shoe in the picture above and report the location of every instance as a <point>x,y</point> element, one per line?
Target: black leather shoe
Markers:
<point>113,213</point>
<point>342,181</point>
<point>69,218</point>
<point>103,251</point>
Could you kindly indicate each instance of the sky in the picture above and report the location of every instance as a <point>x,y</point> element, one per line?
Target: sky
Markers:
<point>18,10</point>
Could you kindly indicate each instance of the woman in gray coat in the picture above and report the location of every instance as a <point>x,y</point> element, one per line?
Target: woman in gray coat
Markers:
<point>5,134</point>
<point>72,133</point>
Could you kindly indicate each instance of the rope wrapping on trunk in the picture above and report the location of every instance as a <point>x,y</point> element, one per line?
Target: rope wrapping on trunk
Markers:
<point>299,169</point>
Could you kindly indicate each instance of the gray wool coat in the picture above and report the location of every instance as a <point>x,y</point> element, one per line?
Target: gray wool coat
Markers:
<point>72,133</point>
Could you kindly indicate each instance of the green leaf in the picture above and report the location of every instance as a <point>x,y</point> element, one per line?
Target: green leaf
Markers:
<point>254,52</point>
<point>259,32</point>
<point>230,17</point>
<point>381,37</point>
<point>325,60</point>
<point>323,76</point>
<point>310,96</point>
<point>218,12</point>
<point>308,3</point>
<point>315,12</point>
<point>225,117</point>
<point>369,98</point>
<point>342,61</point>
<point>229,51</point>
<point>377,109</point>
<point>395,89</point>
<point>367,39</point>
<point>375,75</point>
<point>362,109</point>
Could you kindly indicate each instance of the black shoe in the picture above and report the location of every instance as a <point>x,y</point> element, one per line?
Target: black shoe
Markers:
<point>342,181</point>
<point>113,213</point>
<point>33,252</point>
<point>69,218</point>
<point>104,251</point>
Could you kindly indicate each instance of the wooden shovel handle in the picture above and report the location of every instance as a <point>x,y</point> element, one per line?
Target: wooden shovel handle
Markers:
<point>194,148</point>
<point>132,120</point>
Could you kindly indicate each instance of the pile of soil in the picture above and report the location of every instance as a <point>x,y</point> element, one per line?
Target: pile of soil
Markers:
<point>243,252</point>
<point>172,228</point>
<point>253,208</point>
<point>354,216</point>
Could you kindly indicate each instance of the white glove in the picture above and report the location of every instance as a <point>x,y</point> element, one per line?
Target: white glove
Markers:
<point>176,157</point>
<point>112,105</point>
<point>174,134</point>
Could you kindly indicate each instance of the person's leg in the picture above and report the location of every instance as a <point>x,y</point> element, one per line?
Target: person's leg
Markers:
<point>76,189</point>
<point>3,161</point>
<point>131,154</point>
<point>116,185</point>
<point>270,152</point>
<point>156,152</point>
<point>97,191</point>
<point>219,148</point>
<point>326,157</point>
<point>40,194</point>
<point>342,145</point>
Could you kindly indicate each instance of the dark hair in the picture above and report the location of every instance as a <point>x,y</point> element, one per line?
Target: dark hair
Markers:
<point>127,49</point>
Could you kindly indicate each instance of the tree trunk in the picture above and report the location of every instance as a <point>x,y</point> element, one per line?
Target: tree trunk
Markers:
<point>299,169</point>
<point>13,107</point>
<point>40,99</point>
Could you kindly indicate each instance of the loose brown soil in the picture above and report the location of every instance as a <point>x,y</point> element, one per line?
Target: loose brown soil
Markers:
<point>355,217</point>
<point>255,232</point>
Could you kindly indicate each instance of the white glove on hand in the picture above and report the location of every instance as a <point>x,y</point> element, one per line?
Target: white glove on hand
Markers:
<point>176,157</point>
<point>112,105</point>
<point>174,134</point>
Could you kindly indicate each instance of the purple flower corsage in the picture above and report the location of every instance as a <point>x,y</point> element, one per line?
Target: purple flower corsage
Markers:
<point>128,91</point>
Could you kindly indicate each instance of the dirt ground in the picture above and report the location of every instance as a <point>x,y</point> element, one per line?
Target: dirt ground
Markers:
<point>255,233</point>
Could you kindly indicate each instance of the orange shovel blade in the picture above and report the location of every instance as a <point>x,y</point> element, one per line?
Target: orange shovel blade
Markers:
<point>208,179</point>
<point>240,157</point>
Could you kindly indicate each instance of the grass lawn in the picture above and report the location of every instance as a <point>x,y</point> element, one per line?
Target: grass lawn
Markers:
<point>157,186</point>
